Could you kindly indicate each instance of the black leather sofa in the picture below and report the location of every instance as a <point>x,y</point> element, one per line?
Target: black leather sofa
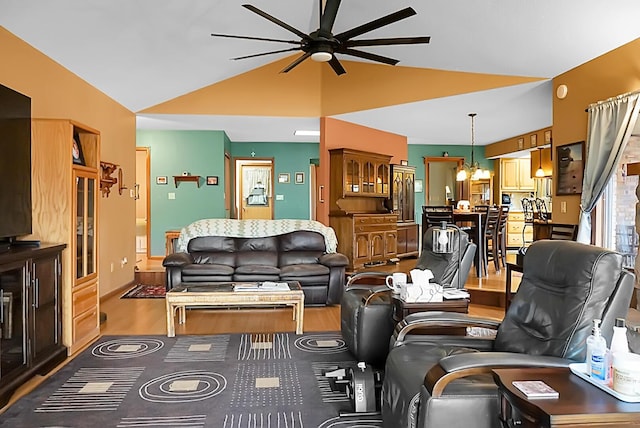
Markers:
<point>294,256</point>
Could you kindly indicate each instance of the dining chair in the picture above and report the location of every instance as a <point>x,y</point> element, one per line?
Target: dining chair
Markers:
<point>502,234</point>
<point>564,231</point>
<point>491,240</point>
<point>434,215</point>
<point>527,208</point>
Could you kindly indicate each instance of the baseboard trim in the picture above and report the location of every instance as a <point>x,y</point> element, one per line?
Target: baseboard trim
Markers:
<point>117,291</point>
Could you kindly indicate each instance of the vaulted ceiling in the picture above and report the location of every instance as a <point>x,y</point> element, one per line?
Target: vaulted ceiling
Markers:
<point>495,58</point>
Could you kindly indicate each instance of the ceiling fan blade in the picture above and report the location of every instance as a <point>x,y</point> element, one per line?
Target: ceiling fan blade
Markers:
<point>266,53</point>
<point>337,67</point>
<point>301,58</point>
<point>376,23</point>
<point>368,55</point>
<point>230,36</point>
<point>277,21</point>
<point>328,17</point>
<point>390,41</point>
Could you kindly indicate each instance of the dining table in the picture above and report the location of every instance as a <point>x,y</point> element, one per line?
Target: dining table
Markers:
<point>477,220</point>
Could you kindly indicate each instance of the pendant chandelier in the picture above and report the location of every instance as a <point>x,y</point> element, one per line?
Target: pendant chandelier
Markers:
<point>472,170</point>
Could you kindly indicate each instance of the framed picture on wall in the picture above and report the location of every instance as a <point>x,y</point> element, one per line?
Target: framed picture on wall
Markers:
<point>161,179</point>
<point>570,167</point>
<point>212,180</point>
<point>284,177</point>
<point>299,178</point>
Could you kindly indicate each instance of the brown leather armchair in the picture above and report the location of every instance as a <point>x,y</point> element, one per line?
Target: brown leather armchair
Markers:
<point>446,381</point>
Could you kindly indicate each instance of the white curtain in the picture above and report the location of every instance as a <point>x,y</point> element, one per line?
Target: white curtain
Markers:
<point>253,176</point>
<point>610,125</point>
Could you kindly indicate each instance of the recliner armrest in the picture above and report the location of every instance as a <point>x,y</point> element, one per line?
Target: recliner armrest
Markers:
<point>458,366</point>
<point>334,260</point>
<point>358,276</point>
<point>422,320</point>
<point>177,260</point>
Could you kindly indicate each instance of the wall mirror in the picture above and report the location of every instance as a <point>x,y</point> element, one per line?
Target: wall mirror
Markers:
<point>441,186</point>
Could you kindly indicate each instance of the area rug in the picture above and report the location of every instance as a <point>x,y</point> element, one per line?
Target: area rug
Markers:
<point>273,380</point>
<point>145,291</point>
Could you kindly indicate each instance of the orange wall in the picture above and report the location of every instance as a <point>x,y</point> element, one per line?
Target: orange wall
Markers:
<point>57,93</point>
<point>609,75</point>
<point>335,134</point>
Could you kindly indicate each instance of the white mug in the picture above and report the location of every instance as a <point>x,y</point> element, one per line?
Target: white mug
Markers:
<point>398,281</point>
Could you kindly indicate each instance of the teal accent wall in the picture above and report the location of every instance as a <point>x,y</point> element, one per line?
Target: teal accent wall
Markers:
<point>171,153</point>
<point>417,153</point>
<point>288,158</point>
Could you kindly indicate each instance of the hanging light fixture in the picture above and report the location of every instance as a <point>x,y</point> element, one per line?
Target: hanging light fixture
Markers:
<point>472,170</point>
<point>540,171</point>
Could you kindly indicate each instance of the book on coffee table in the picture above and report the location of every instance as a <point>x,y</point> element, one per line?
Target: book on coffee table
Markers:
<point>535,389</point>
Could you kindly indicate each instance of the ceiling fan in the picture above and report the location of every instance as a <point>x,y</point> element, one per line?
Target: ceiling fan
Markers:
<point>322,45</point>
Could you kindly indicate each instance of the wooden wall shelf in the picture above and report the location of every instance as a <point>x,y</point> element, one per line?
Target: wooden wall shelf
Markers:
<point>178,178</point>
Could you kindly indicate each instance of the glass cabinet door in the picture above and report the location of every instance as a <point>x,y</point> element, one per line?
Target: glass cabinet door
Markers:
<point>352,175</point>
<point>85,221</point>
<point>368,178</point>
<point>12,341</point>
<point>382,180</point>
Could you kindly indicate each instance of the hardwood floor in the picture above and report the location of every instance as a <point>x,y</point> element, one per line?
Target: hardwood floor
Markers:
<point>148,316</point>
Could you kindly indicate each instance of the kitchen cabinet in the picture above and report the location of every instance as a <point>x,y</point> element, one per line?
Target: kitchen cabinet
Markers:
<point>515,225</point>
<point>516,175</point>
<point>481,192</point>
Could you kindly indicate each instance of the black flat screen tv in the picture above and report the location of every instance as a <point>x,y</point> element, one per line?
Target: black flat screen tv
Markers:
<point>15,164</point>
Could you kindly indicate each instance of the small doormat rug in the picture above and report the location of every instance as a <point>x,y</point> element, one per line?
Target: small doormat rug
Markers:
<point>273,380</point>
<point>145,291</point>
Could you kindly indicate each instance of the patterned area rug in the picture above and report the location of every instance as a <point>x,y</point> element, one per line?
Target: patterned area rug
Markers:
<point>144,291</point>
<point>273,380</point>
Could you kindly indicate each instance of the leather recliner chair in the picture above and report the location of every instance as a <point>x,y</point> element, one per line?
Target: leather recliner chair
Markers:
<point>447,381</point>
<point>366,311</point>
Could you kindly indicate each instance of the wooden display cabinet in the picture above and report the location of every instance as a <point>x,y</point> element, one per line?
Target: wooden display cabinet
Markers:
<point>359,188</point>
<point>71,217</point>
<point>30,315</point>
<point>402,202</point>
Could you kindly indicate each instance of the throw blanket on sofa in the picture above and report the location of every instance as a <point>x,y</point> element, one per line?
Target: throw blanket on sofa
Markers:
<point>253,229</point>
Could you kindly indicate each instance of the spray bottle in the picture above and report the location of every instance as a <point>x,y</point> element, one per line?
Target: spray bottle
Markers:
<point>597,354</point>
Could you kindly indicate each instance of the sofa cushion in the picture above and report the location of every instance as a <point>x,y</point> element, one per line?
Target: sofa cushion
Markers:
<point>293,272</point>
<point>257,251</point>
<point>301,247</point>
<point>258,270</point>
<point>211,269</point>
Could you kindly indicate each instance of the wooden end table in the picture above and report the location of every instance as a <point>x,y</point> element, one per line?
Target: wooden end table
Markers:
<point>579,404</point>
<point>222,294</point>
<point>401,309</point>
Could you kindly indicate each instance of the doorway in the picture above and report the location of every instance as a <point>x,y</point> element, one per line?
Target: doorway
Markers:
<point>143,225</point>
<point>254,188</point>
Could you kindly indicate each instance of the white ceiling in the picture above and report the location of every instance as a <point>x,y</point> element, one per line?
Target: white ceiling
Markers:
<point>144,52</point>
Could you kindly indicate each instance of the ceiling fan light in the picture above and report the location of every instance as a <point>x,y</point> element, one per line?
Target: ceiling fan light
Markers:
<point>321,56</point>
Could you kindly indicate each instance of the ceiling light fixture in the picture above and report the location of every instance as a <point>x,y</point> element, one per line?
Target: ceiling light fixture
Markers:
<point>321,56</point>
<point>472,170</point>
<point>540,172</point>
<point>306,133</point>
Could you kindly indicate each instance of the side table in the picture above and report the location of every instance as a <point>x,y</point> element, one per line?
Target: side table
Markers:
<point>579,404</point>
<point>401,309</point>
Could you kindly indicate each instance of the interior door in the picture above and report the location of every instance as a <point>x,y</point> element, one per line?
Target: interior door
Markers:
<point>255,190</point>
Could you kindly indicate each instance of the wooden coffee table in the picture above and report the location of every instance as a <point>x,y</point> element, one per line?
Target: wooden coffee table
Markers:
<point>222,295</point>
